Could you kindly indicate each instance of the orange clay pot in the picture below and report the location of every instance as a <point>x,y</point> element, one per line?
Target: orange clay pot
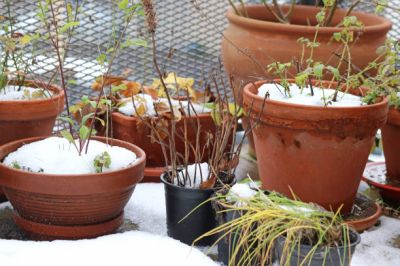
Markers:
<point>391,143</point>
<point>70,206</point>
<point>268,41</point>
<point>128,129</point>
<point>21,119</point>
<point>318,153</point>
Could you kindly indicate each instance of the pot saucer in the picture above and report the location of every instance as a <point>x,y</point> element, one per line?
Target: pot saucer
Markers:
<point>152,174</point>
<point>375,175</point>
<point>39,231</point>
<point>365,213</point>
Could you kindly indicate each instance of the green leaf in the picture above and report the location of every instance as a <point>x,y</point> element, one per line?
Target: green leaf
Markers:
<point>123,4</point>
<point>68,26</point>
<point>318,70</point>
<point>67,135</point>
<point>84,132</point>
<point>337,36</point>
<point>134,42</point>
<point>102,161</point>
<point>120,87</point>
<point>334,71</point>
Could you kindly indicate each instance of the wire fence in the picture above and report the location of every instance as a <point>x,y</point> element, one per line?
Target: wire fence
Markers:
<point>188,40</point>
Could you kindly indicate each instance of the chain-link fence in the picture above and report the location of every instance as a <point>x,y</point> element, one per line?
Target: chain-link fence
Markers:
<point>188,40</point>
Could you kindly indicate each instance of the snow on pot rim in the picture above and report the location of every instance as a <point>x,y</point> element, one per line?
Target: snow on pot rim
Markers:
<point>22,110</point>
<point>41,182</point>
<point>293,111</point>
<point>56,155</point>
<point>11,93</point>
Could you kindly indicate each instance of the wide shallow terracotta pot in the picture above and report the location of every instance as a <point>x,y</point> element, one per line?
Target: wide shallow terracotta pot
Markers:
<point>391,143</point>
<point>23,119</point>
<point>318,153</point>
<point>132,130</point>
<point>268,41</point>
<point>70,206</point>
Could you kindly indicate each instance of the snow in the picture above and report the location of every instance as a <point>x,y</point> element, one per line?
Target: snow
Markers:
<point>298,96</point>
<point>55,155</point>
<point>11,92</point>
<point>196,174</point>
<point>149,246</point>
<point>129,109</point>
<point>241,191</point>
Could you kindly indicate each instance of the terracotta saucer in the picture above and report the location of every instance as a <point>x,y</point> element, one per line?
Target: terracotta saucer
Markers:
<point>152,174</point>
<point>364,215</point>
<point>375,175</point>
<point>53,232</point>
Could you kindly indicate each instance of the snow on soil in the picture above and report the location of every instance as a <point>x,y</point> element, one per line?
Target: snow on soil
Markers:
<point>55,155</point>
<point>298,96</point>
<point>11,92</point>
<point>196,173</point>
<point>150,247</point>
<point>129,109</point>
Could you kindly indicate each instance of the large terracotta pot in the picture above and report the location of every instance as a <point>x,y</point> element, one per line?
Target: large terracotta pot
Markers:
<point>391,143</point>
<point>268,41</point>
<point>132,130</point>
<point>319,153</point>
<point>23,119</point>
<point>70,206</point>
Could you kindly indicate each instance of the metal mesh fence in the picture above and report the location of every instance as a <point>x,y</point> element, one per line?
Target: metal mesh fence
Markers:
<point>193,40</point>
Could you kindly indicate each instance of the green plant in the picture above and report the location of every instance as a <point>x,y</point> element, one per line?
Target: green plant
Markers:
<point>265,217</point>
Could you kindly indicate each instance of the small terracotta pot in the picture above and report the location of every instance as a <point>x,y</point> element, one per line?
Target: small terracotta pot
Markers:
<point>391,143</point>
<point>130,129</point>
<point>23,119</point>
<point>66,203</point>
<point>319,153</point>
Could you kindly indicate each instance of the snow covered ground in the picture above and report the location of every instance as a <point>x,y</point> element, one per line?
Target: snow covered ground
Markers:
<point>150,246</point>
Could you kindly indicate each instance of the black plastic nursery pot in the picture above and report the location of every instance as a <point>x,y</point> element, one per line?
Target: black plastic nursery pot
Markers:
<point>180,201</point>
<point>227,245</point>
<point>335,256</point>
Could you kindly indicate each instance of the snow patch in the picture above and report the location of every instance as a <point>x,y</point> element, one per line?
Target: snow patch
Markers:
<point>304,97</point>
<point>128,108</point>
<point>196,174</point>
<point>55,155</point>
<point>11,93</point>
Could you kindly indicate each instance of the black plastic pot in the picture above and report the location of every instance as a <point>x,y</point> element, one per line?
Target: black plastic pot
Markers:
<point>227,245</point>
<point>335,256</point>
<point>180,201</point>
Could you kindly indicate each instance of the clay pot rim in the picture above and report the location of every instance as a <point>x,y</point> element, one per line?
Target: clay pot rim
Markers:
<point>134,118</point>
<point>40,84</point>
<point>369,219</point>
<point>384,25</point>
<point>384,187</point>
<point>249,92</point>
<point>140,154</point>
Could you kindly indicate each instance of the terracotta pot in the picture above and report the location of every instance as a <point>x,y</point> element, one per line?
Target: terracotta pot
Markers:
<point>66,203</point>
<point>391,143</point>
<point>33,118</point>
<point>268,41</point>
<point>317,152</point>
<point>128,129</point>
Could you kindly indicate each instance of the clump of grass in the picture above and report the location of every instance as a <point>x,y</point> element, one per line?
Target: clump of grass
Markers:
<point>264,218</point>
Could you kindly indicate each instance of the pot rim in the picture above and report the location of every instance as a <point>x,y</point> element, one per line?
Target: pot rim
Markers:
<point>249,92</point>
<point>164,180</point>
<point>36,84</point>
<point>141,157</point>
<point>384,26</point>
